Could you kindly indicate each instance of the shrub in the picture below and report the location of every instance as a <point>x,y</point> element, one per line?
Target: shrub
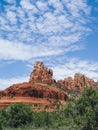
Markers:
<point>3,119</point>
<point>20,114</point>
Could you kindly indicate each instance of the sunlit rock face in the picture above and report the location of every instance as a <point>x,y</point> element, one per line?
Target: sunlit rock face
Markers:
<point>79,82</point>
<point>41,74</point>
<point>83,81</point>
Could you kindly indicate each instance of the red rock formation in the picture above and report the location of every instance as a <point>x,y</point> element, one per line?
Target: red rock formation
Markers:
<point>83,81</point>
<point>69,83</point>
<point>40,86</point>
<point>34,90</point>
<point>79,82</point>
<point>60,83</point>
<point>41,74</point>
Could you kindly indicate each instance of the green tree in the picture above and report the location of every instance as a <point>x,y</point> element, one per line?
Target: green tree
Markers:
<point>86,109</point>
<point>3,119</point>
<point>20,114</point>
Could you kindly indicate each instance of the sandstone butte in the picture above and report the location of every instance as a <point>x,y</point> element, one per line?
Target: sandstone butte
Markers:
<point>42,91</point>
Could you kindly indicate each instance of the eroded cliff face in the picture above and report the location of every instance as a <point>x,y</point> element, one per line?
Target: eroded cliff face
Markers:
<point>41,74</point>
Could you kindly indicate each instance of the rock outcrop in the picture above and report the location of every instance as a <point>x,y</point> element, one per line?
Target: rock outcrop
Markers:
<point>39,90</point>
<point>34,90</point>
<point>41,74</point>
<point>79,82</point>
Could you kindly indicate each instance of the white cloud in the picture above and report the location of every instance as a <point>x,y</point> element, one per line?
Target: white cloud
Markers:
<point>4,83</point>
<point>42,6</point>
<point>11,15</point>
<point>26,5</point>
<point>65,41</point>
<point>77,7</point>
<point>11,1</point>
<point>20,51</point>
<point>33,19</point>
<point>16,51</point>
<point>72,66</point>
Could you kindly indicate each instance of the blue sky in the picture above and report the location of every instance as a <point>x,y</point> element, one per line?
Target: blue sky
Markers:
<point>61,33</point>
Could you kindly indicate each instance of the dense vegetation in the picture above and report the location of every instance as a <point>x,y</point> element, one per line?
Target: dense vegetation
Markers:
<point>80,113</point>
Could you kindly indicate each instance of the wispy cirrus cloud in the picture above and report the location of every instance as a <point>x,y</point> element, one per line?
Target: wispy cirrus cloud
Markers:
<point>49,24</point>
